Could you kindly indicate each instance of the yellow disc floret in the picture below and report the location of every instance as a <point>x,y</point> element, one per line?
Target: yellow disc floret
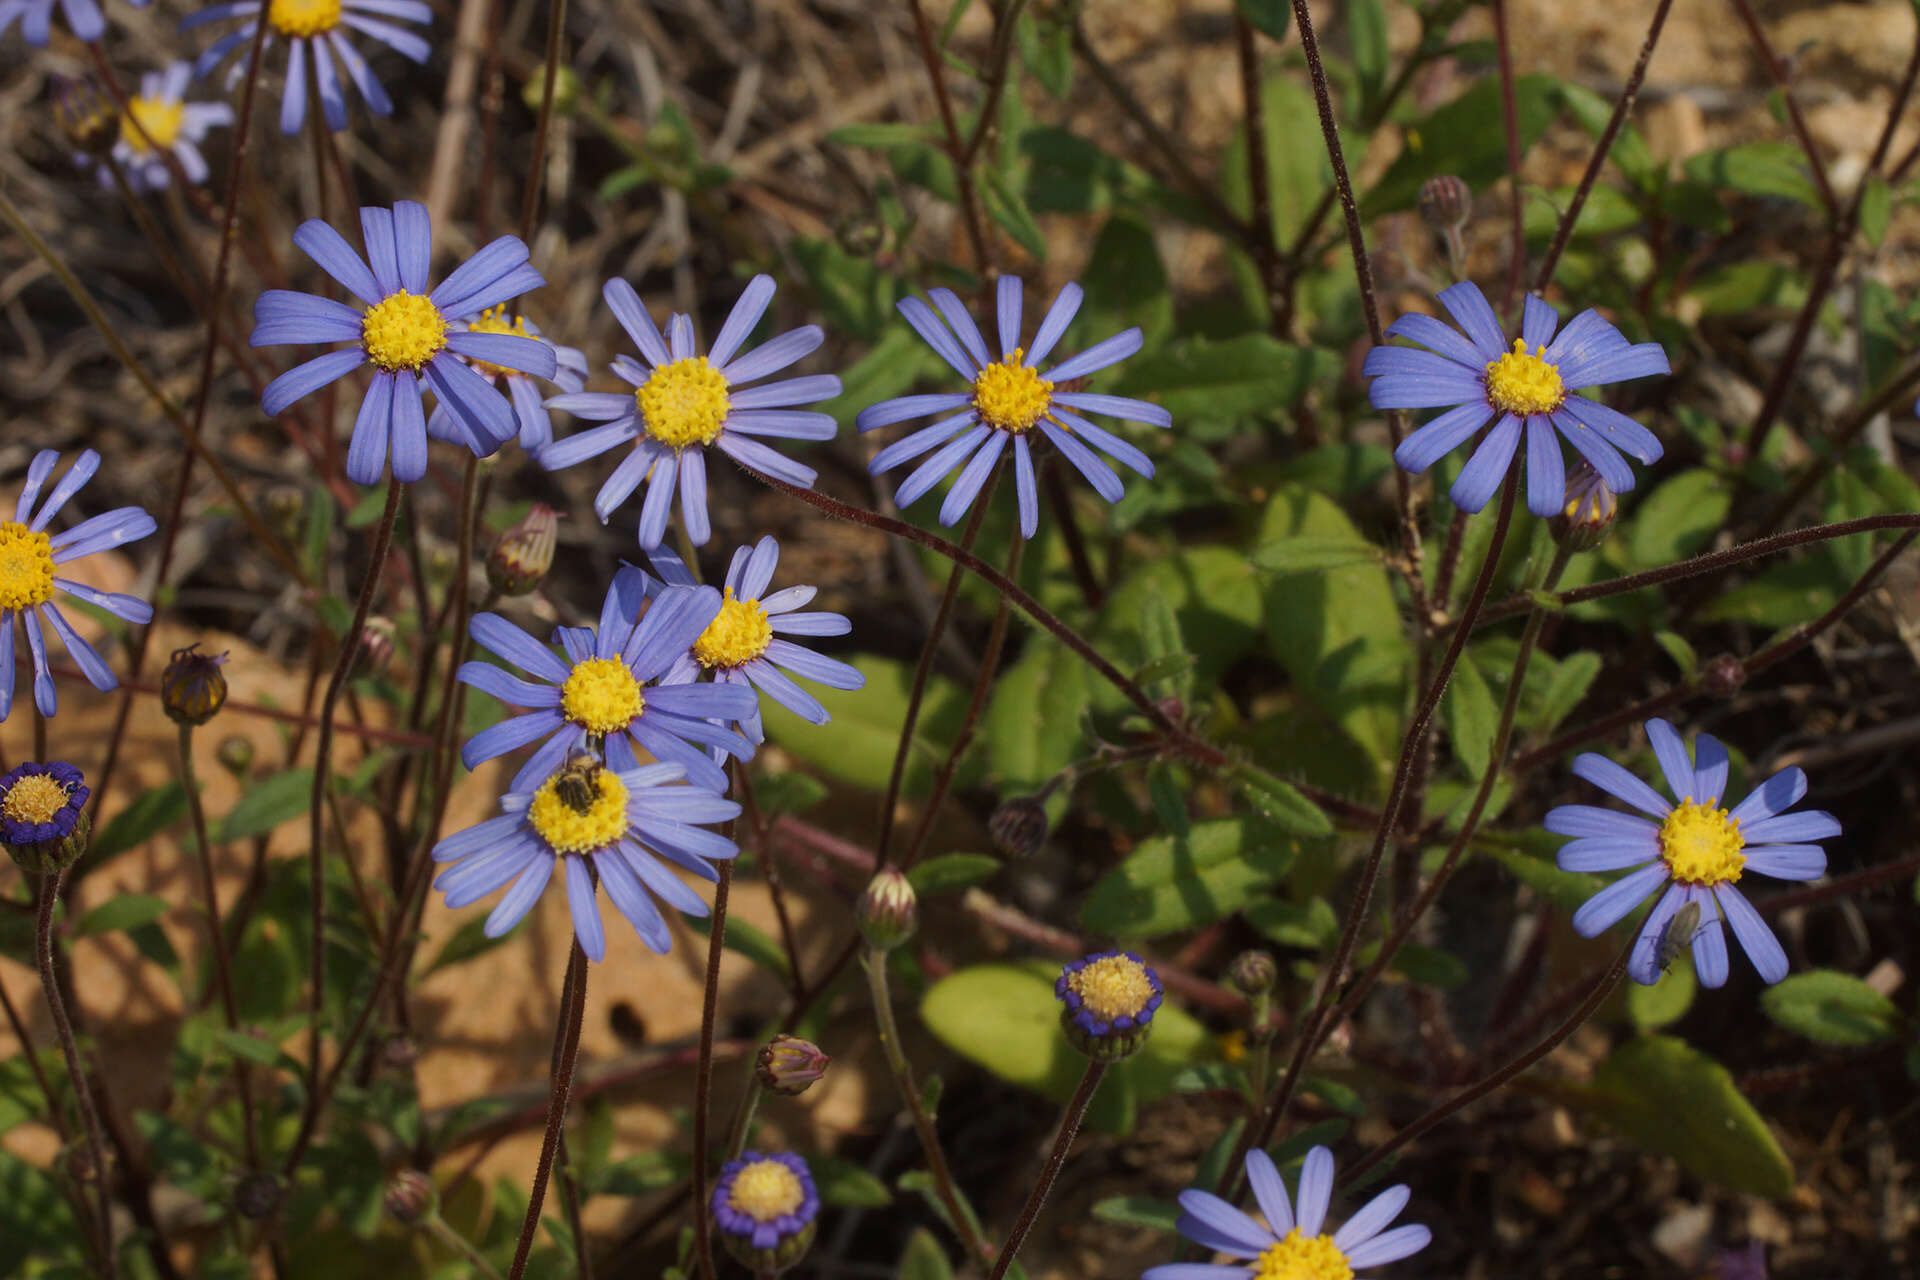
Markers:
<point>34,798</point>
<point>1112,987</point>
<point>765,1191</point>
<point>557,817</point>
<point>1524,384</point>
<point>737,636</point>
<point>1299,1257</point>
<point>683,403</point>
<point>26,566</point>
<point>1011,397</point>
<point>403,331</point>
<point>156,119</point>
<point>601,696</point>
<point>1702,844</point>
<point>494,320</point>
<point>293,18</point>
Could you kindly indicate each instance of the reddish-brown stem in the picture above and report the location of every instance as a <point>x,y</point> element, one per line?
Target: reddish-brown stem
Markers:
<point>566,1053</point>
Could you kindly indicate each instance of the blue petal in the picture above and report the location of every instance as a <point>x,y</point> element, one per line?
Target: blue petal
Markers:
<point>1471,311</point>
<point>1099,356</point>
<point>304,379</point>
<point>772,355</point>
<point>1428,444</point>
<point>1776,795</point>
<point>746,313</point>
<point>333,255</point>
<point>1537,321</point>
<point>1617,429</point>
<point>1007,298</point>
<point>632,315</point>
<point>1434,334</point>
<point>1480,479</point>
<point>1546,470</point>
<point>1671,752</point>
<point>1769,960</point>
<point>495,634</point>
<point>1792,828</point>
<point>1588,820</point>
<point>1605,908</point>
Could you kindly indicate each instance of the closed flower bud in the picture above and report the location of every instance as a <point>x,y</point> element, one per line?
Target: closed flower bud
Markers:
<point>1019,827</point>
<point>1589,513</point>
<point>88,121</point>
<point>410,1196</point>
<point>1724,676</point>
<point>43,816</point>
<point>523,555</point>
<point>256,1196</point>
<point>1252,973</point>
<point>376,647</point>
<point>566,90</point>
<point>236,755</point>
<point>284,507</point>
<point>1446,202</point>
<point>192,688</point>
<point>788,1065</point>
<point>889,910</point>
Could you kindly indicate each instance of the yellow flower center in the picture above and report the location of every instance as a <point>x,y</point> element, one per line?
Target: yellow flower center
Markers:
<point>737,636</point>
<point>1112,987</point>
<point>683,403</point>
<point>1010,396</point>
<point>494,320</point>
<point>766,1190</point>
<point>293,18</point>
<point>558,816</point>
<point>1299,1257</point>
<point>1524,384</point>
<point>35,798</point>
<point>403,331</point>
<point>1701,844</point>
<point>159,119</point>
<point>26,567</point>
<point>601,696</point>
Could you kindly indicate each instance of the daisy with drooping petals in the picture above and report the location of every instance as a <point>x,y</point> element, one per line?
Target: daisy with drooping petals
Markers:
<point>1290,1246</point>
<point>1478,378</point>
<point>84,18</point>
<point>683,402</point>
<point>1008,400</point>
<point>536,424</point>
<point>159,119</point>
<point>607,689</point>
<point>312,30</point>
<point>619,822</point>
<point>1695,849</point>
<point>405,333</point>
<point>743,644</point>
<point>29,564</point>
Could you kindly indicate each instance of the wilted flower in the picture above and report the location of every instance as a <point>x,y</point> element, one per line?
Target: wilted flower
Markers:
<point>43,816</point>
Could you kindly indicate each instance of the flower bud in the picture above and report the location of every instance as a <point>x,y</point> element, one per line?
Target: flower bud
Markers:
<point>236,755</point>
<point>889,910</point>
<point>1446,202</point>
<point>87,120</point>
<point>1589,513</point>
<point>1252,973</point>
<point>764,1205</point>
<point>566,90</point>
<point>1108,1000</point>
<point>410,1196</point>
<point>376,647</point>
<point>43,816</point>
<point>1019,827</point>
<point>1724,676</point>
<point>256,1196</point>
<point>284,507</point>
<point>788,1065</point>
<point>522,556</point>
<point>192,689</point>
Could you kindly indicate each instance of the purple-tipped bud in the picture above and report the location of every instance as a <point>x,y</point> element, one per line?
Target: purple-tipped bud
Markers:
<point>376,647</point>
<point>1252,973</point>
<point>193,688</point>
<point>410,1196</point>
<point>1724,676</point>
<point>889,910</point>
<point>1446,202</point>
<point>789,1066</point>
<point>1108,1000</point>
<point>1589,513</point>
<point>523,555</point>
<point>1019,827</point>
<point>43,816</point>
<point>236,755</point>
<point>87,120</point>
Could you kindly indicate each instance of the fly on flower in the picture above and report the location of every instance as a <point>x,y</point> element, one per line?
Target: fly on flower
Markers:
<point>1528,386</point>
<point>1008,400</point>
<point>312,29</point>
<point>160,119</point>
<point>1695,849</point>
<point>743,645</point>
<point>682,402</point>
<point>30,559</point>
<point>536,424</point>
<point>621,823</point>
<point>404,332</point>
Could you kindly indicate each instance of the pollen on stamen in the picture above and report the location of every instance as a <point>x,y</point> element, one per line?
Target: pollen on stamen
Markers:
<point>601,696</point>
<point>26,566</point>
<point>555,818</point>
<point>403,331</point>
<point>739,634</point>
<point>1523,384</point>
<point>1010,396</point>
<point>1702,844</point>
<point>152,119</point>
<point>296,18</point>
<point>684,403</point>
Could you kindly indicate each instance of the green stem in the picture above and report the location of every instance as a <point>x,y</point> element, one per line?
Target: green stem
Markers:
<point>437,1227</point>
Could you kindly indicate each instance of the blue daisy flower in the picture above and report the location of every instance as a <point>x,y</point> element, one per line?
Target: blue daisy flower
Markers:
<point>1291,1243</point>
<point>1695,849</point>
<point>166,122</point>
<point>1481,379</point>
<point>312,29</point>
<point>1008,398</point>
<point>683,402</point>
<point>613,825</point>
<point>41,807</point>
<point>84,18</point>
<point>764,1204</point>
<point>536,424</point>
<point>607,692</point>
<point>743,645</point>
<point>29,562</point>
<point>405,334</point>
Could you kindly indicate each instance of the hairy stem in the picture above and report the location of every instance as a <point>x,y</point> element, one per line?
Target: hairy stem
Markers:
<point>1070,1118</point>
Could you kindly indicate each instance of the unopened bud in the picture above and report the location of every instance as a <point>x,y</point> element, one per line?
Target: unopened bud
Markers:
<point>1590,510</point>
<point>524,554</point>
<point>284,507</point>
<point>192,688</point>
<point>889,910</point>
<point>1446,202</point>
<point>409,1196</point>
<point>862,236</point>
<point>1019,827</point>
<point>256,1196</point>
<point>1252,973</point>
<point>566,90</point>
<point>398,1052</point>
<point>1724,676</point>
<point>789,1065</point>
<point>236,755</point>
<point>87,120</point>
<point>376,647</point>
<point>43,816</point>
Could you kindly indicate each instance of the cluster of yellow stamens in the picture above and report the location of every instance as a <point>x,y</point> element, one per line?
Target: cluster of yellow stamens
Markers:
<point>294,18</point>
<point>34,798</point>
<point>26,566</point>
<point>1701,844</point>
<point>737,636</point>
<point>557,818</point>
<point>683,403</point>
<point>403,331</point>
<point>1011,397</point>
<point>152,118</point>
<point>601,696</point>
<point>1524,384</point>
<point>1299,1257</point>
<point>494,320</point>
<point>1112,987</point>
<point>766,1190</point>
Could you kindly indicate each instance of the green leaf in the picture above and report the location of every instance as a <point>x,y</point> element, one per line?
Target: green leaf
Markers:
<point>641,1175</point>
<point>857,744</point>
<point>1431,967</point>
<point>1269,17</point>
<point>152,811</point>
<point>1569,684</point>
<point>1033,723</point>
<point>1367,37</point>
<point>1665,1002</point>
<point>1005,205</point>
<point>267,804</point>
<point>1682,653</point>
<point>1757,169</point>
<point>1126,281</point>
<point>1312,554</point>
<point>1280,803</point>
<point>951,872</point>
<point>1471,717</point>
<point>845,1185</point>
<point>1679,517</point>
<point>466,942</point>
<point>1297,168</point>
<point>1213,594</point>
<point>1876,209</point>
<point>1465,137</point>
<point>1675,1101</point>
<point>120,913</point>
<point>1171,883</point>
<point>788,792</point>
<point>1311,926</point>
<point>248,1047</point>
<point>1832,1008</point>
<point>747,940</point>
<point>1230,380</point>
<point>923,1259</point>
<point>1138,1211</point>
